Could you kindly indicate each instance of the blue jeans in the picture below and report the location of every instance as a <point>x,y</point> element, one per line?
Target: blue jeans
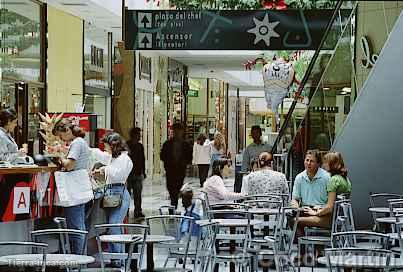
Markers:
<point>75,217</point>
<point>117,215</point>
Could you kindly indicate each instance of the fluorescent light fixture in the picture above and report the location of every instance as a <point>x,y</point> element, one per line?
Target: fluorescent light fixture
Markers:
<point>326,88</point>
<point>343,93</point>
<point>346,90</point>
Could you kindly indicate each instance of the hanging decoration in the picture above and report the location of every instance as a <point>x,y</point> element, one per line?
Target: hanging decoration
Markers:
<point>274,4</point>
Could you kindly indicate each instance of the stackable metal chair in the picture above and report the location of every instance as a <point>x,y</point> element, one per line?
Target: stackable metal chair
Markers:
<point>232,242</point>
<point>355,239</point>
<point>380,200</point>
<point>133,235</point>
<point>12,262</point>
<point>172,226</point>
<point>205,247</point>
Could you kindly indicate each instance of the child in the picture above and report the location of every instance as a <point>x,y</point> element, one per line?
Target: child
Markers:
<point>192,209</point>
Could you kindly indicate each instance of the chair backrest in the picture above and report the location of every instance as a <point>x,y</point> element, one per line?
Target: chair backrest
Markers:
<point>205,243</point>
<point>227,206</point>
<point>166,210</point>
<point>32,245</point>
<point>138,231</point>
<point>178,227</point>
<point>271,197</point>
<point>380,257</point>
<point>42,235</point>
<point>284,232</point>
<point>342,216</point>
<point>355,238</point>
<point>64,240</point>
<point>395,206</point>
<point>381,199</point>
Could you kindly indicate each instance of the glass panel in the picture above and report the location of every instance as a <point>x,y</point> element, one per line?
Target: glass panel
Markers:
<point>20,44</point>
<point>35,94</point>
<point>337,36</point>
<point>97,104</point>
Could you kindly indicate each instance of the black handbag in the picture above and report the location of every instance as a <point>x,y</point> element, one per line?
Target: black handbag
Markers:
<point>112,199</point>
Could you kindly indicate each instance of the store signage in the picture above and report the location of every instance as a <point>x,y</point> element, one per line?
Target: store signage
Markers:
<point>144,67</point>
<point>97,56</point>
<point>369,57</point>
<point>326,109</point>
<point>225,29</point>
<point>193,93</point>
<point>21,200</point>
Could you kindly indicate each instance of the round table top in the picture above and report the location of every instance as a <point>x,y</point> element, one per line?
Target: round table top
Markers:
<point>362,261</point>
<point>386,220</point>
<point>55,260</point>
<point>128,238</point>
<point>230,222</point>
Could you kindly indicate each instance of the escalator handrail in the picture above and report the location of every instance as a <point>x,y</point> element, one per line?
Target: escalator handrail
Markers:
<point>305,78</point>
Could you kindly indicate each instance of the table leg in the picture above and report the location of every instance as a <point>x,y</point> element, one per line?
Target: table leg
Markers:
<point>150,257</point>
<point>232,248</point>
<point>266,232</point>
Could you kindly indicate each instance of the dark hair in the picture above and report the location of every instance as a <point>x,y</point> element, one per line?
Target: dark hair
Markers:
<point>316,154</point>
<point>218,165</point>
<point>265,159</point>
<point>201,138</point>
<point>336,164</point>
<point>134,132</point>
<point>6,116</point>
<point>64,124</point>
<point>116,142</point>
<point>256,127</point>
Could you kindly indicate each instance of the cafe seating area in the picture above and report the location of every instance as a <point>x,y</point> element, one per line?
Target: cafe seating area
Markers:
<point>250,234</point>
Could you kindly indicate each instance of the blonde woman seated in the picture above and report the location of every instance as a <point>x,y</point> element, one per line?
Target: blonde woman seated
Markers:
<point>215,188</point>
<point>265,180</point>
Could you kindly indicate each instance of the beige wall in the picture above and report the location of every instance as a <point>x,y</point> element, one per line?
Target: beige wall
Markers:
<point>65,61</point>
<point>371,23</point>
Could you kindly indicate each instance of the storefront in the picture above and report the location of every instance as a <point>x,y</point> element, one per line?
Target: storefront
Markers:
<point>22,64</point>
<point>97,73</point>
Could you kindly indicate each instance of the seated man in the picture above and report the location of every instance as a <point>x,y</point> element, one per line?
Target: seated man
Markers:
<point>310,192</point>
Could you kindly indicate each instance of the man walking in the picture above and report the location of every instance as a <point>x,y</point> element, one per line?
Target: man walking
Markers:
<point>135,180</point>
<point>176,155</point>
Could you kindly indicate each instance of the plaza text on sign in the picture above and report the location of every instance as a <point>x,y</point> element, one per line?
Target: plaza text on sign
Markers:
<point>225,29</point>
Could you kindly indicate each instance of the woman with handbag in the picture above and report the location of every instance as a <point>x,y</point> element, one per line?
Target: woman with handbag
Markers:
<point>116,200</point>
<point>76,159</point>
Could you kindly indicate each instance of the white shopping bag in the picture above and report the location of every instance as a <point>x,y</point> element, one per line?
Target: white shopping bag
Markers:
<point>73,187</point>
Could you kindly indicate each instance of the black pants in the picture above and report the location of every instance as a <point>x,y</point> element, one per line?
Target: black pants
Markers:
<point>135,183</point>
<point>175,179</point>
<point>238,182</point>
<point>203,172</point>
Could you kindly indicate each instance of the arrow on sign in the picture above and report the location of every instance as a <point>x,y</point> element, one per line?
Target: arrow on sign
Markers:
<point>145,40</point>
<point>144,20</point>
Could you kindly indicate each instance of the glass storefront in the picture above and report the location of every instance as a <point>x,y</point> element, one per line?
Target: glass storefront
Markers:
<point>96,73</point>
<point>20,61</point>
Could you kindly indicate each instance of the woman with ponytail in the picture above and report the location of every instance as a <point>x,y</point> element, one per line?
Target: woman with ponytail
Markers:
<point>76,159</point>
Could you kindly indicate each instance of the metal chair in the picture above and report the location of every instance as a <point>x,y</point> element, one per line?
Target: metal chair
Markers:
<point>232,242</point>
<point>205,246</point>
<point>172,226</point>
<point>133,235</point>
<point>398,234</point>
<point>342,220</point>
<point>166,210</point>
<point>282,240</point>
<point>380,200</point>
<point>258,246</point>
<point>357,258</point>
<point>271,197</point>
<point>34,246</point>
<point>61,223</point>
<point>354,239</point>
<point>44,235</point>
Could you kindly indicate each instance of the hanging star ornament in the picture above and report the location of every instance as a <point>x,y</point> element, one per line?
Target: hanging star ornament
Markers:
<point>264,30</point>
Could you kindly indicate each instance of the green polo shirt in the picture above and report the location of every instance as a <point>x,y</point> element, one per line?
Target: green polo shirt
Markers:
<point>339,185</point>
<point>311,192</point>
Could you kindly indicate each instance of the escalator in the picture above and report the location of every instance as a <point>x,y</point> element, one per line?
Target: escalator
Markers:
<point>312,125</point>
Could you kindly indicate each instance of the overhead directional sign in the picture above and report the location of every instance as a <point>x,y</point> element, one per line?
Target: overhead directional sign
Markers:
<point>225,29</point>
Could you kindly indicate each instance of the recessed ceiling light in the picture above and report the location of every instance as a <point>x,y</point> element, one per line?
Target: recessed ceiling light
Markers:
<point>326,88</point>
<point>346,89</point>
